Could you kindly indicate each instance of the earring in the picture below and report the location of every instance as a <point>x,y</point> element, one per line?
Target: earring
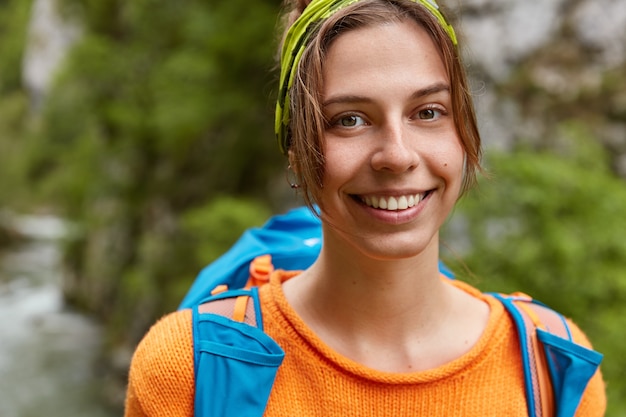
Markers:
<point>289,174</point>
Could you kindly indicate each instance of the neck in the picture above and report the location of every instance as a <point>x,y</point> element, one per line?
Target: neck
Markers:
<point>384,298</point>
<point>392,315</point>
<point>380,284</point>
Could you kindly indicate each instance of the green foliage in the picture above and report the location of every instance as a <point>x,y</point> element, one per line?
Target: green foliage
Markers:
<point>14,102</point>
<point>217,225</point>
<point>552,224</point>
<point>168,258</point>
<point>14,15</point>
<point>13,126</point>
<point>160,107</point>
<point>163,97</point>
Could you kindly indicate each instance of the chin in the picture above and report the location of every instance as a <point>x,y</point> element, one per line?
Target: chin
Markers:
<point>396,248</point>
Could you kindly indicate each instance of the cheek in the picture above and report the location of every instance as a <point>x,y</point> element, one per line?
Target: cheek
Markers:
<point>341,161</point>
<point>452,162</point>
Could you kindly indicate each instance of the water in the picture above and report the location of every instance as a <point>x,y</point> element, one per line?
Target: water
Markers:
<point>47,353</point>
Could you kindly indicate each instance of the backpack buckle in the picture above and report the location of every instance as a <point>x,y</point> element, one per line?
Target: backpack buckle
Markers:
<point>261,269</point>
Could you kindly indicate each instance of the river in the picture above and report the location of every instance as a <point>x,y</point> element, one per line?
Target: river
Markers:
<point>48,353</point>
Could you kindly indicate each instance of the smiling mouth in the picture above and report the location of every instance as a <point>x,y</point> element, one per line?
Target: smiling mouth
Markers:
<point>393,203</point>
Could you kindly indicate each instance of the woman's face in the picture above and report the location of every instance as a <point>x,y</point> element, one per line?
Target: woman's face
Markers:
<point>393,159</point>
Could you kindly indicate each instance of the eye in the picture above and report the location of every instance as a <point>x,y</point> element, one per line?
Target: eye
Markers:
<point>349,120</point>
<point>430,113</point>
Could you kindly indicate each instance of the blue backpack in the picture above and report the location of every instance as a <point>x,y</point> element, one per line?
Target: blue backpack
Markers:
<point>230,345</point>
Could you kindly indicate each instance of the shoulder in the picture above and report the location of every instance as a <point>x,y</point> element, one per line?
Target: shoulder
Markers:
<point>161,377</point>
<point>578,335</point>
<point>593,402</point>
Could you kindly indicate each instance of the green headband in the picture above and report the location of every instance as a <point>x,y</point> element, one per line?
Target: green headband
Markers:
<point>296,40</point>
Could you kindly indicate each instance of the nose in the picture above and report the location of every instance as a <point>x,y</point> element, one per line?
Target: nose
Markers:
<point>394,151</point>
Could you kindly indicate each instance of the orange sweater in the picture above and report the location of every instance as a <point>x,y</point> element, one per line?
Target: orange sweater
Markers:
<point>315,381</point>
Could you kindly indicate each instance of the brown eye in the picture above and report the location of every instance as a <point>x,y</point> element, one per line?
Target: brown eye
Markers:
<point>428,114</point>
<point>350,121</point>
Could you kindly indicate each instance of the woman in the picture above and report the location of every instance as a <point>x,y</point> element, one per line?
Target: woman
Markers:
<point>375,116</point>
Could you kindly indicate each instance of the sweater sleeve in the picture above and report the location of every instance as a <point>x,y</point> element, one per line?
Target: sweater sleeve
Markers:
<point>593,403</point>
<point>161,377</point>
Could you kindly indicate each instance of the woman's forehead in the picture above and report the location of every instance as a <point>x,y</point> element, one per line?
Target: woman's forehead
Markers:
<point>400,54</point>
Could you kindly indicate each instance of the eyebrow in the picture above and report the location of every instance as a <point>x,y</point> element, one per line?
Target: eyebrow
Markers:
<point>422,92</point>
<point>430,90</point>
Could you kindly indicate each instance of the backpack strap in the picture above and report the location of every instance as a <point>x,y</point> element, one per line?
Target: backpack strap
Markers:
<point>229,347</point>
<point>556,369</point>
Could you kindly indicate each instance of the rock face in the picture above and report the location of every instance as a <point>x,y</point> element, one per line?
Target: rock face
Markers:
<point>499,34</point>
<point>50,36</point>
<point>536,65</point>
<point>502,33</point>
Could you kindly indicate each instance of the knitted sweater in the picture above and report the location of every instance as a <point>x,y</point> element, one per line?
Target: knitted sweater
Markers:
<point>316,381</point>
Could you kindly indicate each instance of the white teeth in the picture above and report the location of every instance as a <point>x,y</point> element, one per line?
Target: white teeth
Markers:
<point>393,203</point>
<point>403,203</point>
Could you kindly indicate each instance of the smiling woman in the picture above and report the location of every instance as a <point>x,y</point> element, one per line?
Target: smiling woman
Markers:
<point>391,81</point>
<point>375,116</point>
<point>305,105</point>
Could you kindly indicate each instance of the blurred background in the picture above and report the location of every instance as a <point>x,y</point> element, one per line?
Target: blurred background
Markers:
<point>136,144</point>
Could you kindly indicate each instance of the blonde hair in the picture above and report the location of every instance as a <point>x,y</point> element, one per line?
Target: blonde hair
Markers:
<point>305,131</point>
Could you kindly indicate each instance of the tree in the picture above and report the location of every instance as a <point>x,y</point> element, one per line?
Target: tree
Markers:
<point>162,108</point>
